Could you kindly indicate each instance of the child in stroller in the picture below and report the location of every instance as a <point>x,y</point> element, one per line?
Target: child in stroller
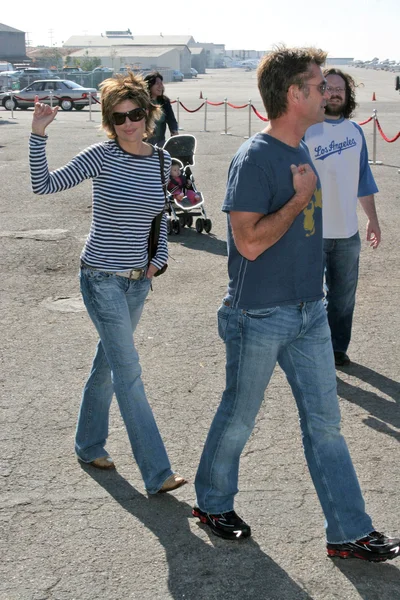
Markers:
<point>180,186</point>
<point>184,201</point>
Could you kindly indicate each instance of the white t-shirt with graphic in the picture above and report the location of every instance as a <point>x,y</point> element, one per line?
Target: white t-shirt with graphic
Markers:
<point>339,153</point>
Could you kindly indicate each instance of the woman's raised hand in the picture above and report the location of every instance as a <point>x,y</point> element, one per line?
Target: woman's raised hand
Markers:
<point>43,115</point>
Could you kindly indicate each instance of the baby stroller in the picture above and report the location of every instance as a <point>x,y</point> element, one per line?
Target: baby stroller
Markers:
<point>181,213</point>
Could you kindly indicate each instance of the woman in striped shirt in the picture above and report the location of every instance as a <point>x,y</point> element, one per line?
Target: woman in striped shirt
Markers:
<point>115,276</point>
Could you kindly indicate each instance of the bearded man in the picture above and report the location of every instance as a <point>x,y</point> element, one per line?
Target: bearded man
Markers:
<point>339,153</point>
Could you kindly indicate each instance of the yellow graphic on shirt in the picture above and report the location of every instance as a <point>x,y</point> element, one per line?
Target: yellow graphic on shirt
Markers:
<point>315,202</point>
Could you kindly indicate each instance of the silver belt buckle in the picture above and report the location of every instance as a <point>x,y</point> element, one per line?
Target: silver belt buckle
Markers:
<point>135,273</point>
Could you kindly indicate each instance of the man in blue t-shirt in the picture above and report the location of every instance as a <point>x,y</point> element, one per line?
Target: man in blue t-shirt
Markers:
<point>273,312</point>
<point>339,153</point>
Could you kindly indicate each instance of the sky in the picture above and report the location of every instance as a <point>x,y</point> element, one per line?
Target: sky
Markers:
<point>360,29</point>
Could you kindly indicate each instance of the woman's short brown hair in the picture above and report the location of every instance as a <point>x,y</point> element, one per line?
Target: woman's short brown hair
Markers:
<point>126,87</point>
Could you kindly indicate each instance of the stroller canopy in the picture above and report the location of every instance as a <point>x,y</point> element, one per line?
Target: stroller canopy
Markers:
<point>182,147</point>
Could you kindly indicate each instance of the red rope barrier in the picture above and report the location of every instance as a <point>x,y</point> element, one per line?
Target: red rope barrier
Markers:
<point>233,106</point>
<point>40,99</point>
<point>367,121</point>
<point>396,137</point>
<point>258,114</point>
<point>214,103</point>
<point>192,111</point>
<point>56,98</point>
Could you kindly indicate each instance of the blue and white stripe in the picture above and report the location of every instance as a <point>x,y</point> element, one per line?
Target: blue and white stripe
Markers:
<point>127,194</point>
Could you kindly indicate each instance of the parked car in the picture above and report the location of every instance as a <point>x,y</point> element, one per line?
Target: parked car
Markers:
<point>103,70</point>
<point>67,94</point>
<point>72,70</point>
<point>9,80</point>
<point>36,71</point>
<point>193,72</point>
<point>30,74</point>
<point>177,75</point>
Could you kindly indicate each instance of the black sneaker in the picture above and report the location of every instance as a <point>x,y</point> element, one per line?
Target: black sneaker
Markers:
<point>227,525</point>
<point>341,359</point>
<point>375,547</point>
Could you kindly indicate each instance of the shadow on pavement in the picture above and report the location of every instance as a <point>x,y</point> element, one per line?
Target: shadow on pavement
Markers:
<point>199,241</point>
<point>199,570</point>
<point>373,581</point>
<point>383,413</point>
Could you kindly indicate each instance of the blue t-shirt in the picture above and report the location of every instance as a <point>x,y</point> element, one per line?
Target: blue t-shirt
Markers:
<point>290,271</point>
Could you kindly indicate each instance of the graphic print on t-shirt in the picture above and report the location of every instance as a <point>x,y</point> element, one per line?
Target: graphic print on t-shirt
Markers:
<point>315,202</point>
<point>322,152</point>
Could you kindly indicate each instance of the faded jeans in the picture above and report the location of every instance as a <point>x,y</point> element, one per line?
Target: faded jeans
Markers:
<point>115,304</point>
<point>341,277</point>
<point>298,338</point>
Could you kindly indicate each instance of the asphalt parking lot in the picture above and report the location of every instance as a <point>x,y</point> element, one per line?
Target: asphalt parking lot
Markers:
<point>72,533</point>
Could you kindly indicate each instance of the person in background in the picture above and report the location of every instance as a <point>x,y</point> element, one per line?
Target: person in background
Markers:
<point>339,153</point>
<point>155,85</point>
<point>115,277</point>
<point>274,313</point>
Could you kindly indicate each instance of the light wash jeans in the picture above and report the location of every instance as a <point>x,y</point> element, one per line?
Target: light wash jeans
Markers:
<point>298,338</point>
<point>341,258</point>
<point>115,305</point>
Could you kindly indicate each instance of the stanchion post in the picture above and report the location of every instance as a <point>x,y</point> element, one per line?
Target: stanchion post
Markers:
<point>90,106</point>
<point>374,161</point>
<point>246,137</point>
<point>177,114</point>
<point>226,118</point>
<point>12,104</point>
<point>205,114</point>
<point>51,98</point>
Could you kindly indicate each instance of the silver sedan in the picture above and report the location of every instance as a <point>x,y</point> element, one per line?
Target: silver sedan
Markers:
<point>67,94</point>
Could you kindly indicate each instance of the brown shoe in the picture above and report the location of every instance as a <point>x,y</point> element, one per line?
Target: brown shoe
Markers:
<point>104,462</point>
<point>173,482</point>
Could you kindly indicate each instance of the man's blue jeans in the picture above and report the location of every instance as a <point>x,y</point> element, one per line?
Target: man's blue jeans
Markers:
<point>298,338</point>
<point>341,276</point>
<point>115,305</point>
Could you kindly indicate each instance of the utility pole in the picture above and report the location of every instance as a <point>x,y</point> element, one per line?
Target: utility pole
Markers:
<point>51,31</point>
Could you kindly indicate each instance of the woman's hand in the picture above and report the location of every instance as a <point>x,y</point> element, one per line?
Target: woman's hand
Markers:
<point>43,115</point>
<point>151,270</point>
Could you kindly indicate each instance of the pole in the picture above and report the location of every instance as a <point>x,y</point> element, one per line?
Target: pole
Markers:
<point>226,118</point>
<point>247,136</point>
<point>177,114</point>
<point>205,114</point>
<point>90,106</point>
<point>12,104</point>
<point>51,98</point>
<point>374,161</point>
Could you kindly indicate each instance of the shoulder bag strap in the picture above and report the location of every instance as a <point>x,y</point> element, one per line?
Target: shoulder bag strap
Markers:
<point>156,224</point>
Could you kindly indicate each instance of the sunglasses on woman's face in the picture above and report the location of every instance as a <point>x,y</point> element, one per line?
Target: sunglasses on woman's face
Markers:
<point>137,114</point>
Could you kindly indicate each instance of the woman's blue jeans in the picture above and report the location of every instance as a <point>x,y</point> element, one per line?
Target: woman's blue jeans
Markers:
<point>115,305</point>
<point>341,277</point>
<point>298,338</point>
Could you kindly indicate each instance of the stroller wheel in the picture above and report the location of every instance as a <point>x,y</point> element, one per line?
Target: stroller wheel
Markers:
<point>169,226</point>
<point>176,228</point>
<point>199,225</point>
<point>182,220</point>
<point>189,220</point>
<point>207,225</point>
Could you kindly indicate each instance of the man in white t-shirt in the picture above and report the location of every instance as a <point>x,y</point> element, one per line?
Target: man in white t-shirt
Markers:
<point>339,153</point>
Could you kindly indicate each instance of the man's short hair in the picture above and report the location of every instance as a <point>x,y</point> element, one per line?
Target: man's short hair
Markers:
<point>350,85</point>
<point>282,68</point>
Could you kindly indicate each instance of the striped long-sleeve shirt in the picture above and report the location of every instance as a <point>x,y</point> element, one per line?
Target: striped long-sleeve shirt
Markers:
<point>127,194</point>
